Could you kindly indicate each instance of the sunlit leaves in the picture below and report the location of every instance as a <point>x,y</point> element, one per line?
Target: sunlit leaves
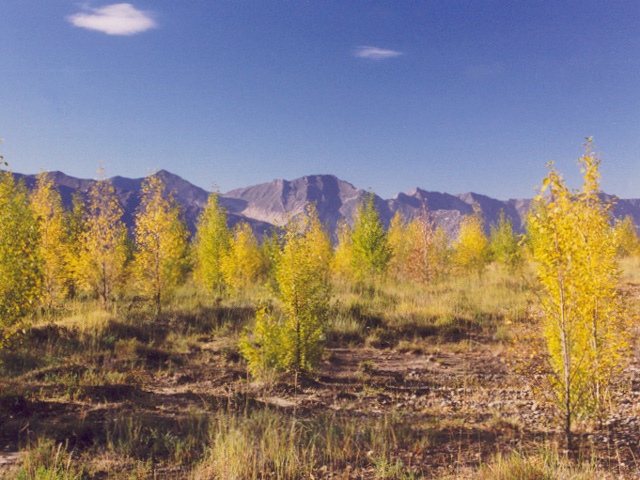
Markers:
<point>342,261</point>
<point>626,238</point>
<point>20,263</point>
<point>369,242</point>
<point>211,245</point>
<point>161,242</point>
<point>102,252</point>
<point>293,341</point>
<point>53,244</point>
<point>575,252</point>
<point>243,264</point>
<point>471,249</point>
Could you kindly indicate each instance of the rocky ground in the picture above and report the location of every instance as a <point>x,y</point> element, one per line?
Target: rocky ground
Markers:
<point>470,399</point>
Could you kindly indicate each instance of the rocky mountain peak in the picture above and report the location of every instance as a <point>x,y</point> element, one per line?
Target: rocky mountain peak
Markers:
<point>273,203</point>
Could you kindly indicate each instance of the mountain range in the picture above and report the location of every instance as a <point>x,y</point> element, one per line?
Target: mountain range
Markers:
<point>273,203</point>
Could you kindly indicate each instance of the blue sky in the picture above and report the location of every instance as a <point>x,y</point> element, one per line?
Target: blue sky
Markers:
<point>446,95</point>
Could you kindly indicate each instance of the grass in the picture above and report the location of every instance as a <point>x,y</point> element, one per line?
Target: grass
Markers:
<point>47,460</point>
<point>447,311</point>
<point>545,464</point>
<point>265,443</point>
<point>416,383</point>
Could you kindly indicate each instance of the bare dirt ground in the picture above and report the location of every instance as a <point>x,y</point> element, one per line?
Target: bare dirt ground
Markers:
<point>471,398</point>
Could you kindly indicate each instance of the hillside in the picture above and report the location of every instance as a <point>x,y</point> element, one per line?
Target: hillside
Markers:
<point>272,203</point>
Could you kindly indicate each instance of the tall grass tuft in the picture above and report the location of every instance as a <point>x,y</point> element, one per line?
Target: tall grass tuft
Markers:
<point>546,464</point>
<point>268,444</point>
<point>47,460</point>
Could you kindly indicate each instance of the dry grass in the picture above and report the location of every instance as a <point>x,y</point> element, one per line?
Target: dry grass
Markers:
<point>417,384</point>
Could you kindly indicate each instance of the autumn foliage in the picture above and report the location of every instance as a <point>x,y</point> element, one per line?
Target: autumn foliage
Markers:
<point>53,245</point>
<point>20,262</point>
<point>575,257</point>
<point>161,241</point>
<point>293,340</point>
<point>100,265</point>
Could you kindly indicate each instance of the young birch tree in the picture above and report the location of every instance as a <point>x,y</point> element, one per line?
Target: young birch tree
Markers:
<point>504,243</point>
<point>293,342</point>
<point>401,244</point>
<point>471,249</point>
<point>574,253</point>
<point>603,310</point>
<point>53,245</point>
<point>369,242</point>
<point>20,263</point>
<point>626,238</point>
<point>102,253</point>
<point>212,244</point>
<point>243,263</point>
<point>161,241</point>
<point>342,260</point>
<point>429,244</point>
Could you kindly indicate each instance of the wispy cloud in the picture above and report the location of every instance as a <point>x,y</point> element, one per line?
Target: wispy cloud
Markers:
<point>375,53</point>
<point>116,19</point>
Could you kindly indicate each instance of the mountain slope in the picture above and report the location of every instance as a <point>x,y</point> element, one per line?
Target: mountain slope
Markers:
<point>277,201</point>
<point>273,203</point>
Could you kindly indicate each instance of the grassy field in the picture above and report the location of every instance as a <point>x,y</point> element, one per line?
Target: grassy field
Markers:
<point>440,381</point>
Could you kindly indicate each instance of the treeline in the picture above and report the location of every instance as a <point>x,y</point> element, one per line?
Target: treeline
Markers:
<point>49,254</point>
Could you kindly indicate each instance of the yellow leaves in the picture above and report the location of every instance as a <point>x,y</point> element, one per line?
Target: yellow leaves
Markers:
<point>102,250</point>
<point>341,263</point>
<point>161,240</point>
<point>626,238</point>
<point>293,341</point>
<point>471,249</point>
<point>20,273</point>
<point>212,245</point>
<point>399,243</point>
<point>575,261</point>
<point>545,184</point>
<point>243,264</point>
<point>53,244</point>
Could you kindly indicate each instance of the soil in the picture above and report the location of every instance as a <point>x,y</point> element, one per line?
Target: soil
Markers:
<point>478,397</point>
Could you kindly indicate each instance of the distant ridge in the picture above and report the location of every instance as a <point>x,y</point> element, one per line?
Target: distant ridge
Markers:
<point>273,203</point>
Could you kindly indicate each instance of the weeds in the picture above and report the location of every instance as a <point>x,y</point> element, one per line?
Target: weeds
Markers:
<point>118,394</point>
<point>47,460</point>
<point>546,464</point>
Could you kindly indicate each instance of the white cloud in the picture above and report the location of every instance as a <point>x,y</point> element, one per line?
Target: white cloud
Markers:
<point>116,19</point>
<point>375,53</point>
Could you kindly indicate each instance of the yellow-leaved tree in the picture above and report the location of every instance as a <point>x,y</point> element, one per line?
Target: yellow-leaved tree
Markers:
<point>400,244</point>
<point>53,245</point>
<point>243,264</point>
<point>293,341</point>
<point>626,238</point>
<point>161,242</point>
<point>342,260</point>
<point>74,240</point>
<point>504,243</point>
<point>212,243</point>
<point>583,323</point>
<point>471,249</point>
<point>428,247</point>
<point>102,253</point>
<point>370,250</point>
<point>20,262</point>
